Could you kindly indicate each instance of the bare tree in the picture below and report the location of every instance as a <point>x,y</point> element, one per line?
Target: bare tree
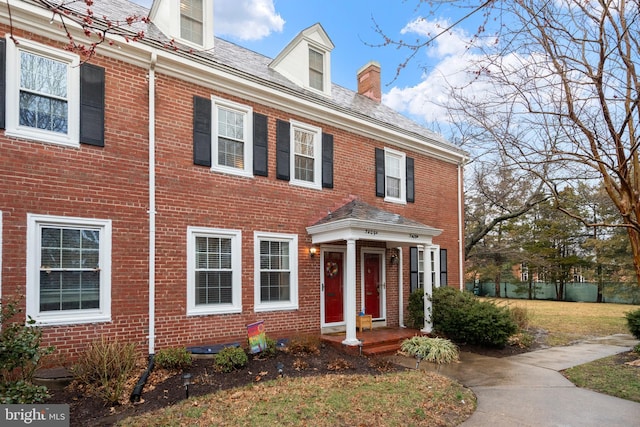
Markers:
<point>558,94</point>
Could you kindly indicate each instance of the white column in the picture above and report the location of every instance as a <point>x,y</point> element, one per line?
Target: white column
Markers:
<point>428,289</point>
<point>350,295</point>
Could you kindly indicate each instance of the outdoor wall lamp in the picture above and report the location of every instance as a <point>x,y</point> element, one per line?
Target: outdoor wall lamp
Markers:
<point>280,368</point>
<point>393,259</point>
<point>186,382</point>
<point>313,251</point>
<point>418,360</point>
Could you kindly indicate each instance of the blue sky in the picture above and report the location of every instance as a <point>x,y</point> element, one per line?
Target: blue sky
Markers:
<point>267,26</point>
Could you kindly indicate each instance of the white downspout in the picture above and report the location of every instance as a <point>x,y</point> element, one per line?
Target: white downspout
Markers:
<point>152,203</point>
<point>460,228</point>
<point>400,289</point>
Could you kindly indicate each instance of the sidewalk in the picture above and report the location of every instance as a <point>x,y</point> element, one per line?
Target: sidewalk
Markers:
<point>528,390</point>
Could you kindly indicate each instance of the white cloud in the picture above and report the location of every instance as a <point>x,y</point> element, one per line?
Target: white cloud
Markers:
<point>449,42</point>
<point>246,19</point>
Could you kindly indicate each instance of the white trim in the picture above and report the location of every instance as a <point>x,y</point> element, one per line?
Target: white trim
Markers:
<point>103,314</point>
<point>247,113</point>
<point>235,306</point>
<point>317,155</point>
<point>402,157</point>
<point>383,280</point>
<point>292,304</point>
<point>13,127</point>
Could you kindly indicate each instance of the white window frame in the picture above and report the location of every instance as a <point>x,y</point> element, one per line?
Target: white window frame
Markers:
<point>322,72</point>
<point>194,309</point>
<point>202,22</point>
<point>317,155</point>
<point>292,304</point>
<point>326,68</point>
<point>402,157</point>
<point>35,223</point>
<point>13,127</point>
<point>247,113</point>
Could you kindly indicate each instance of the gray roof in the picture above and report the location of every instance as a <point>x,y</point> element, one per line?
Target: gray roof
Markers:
<point>362,211</point>
<point>253,65</point>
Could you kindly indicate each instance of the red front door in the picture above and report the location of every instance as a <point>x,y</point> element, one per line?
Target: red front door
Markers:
<point>372,285</point>
<point>333,287</point>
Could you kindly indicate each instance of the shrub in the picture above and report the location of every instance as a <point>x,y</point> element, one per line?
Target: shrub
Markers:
<point>174,359</point>
<point>105,368</point>
<point>464,318</point>
<point>20,356</point>
<point>436,350</point>
<point>633,322</point>
<point>415,309</point>
<point>230,359</point>
<point>520,316</point>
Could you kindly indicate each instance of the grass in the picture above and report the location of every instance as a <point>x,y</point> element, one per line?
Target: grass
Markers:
<point>405,398</point>
<point>567,322</point>
<point>609,376</point>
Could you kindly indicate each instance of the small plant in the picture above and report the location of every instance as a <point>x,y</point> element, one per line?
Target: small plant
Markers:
<point>633,322</point>
<point>105,367</point>
<point>20,356</point>
<point>520,315</point>
<point>436,350</point>
<point>230,359</point>
<point>173,359</point>
<point>270,351</point>
<point>637,348</point>
<point>522,339</point>
<point>304,345</point>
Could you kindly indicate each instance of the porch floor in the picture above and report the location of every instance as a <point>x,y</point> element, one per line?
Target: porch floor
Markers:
<point>379,341</point>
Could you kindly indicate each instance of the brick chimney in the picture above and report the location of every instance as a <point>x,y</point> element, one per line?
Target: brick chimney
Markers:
<point>369,81</point>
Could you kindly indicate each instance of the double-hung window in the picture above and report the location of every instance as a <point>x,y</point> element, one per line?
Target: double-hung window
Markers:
<point>395,176</point>
<point>232,146</point>
<point>276,271</point>
<point>43,86</point>
<point>307,155</point>
<point>316,69</point>
<point>214,269</point>
<point>192,21</point>
<point>68,269</point>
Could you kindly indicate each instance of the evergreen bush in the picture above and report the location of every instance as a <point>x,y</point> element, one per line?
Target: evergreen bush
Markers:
<point>415,309</point>
<point>633,322</point>
<point>463,318</point>
<point>20,356</point>
<point>176,359</point>
<point>230,359</point>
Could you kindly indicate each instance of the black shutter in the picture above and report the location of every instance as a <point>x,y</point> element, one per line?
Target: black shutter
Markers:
<point>201,131</point>
<point>413,267</point>
<point>411,187</point>
<point>260,145</point>
<point>283,148</point>
<point>3,83</point>
<point>327,160</point>
<point>92,105</point>
<point>380,172</point>
<point>443,268</point>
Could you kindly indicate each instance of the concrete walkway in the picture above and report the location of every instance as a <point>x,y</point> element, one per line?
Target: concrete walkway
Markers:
<point>528,390</point>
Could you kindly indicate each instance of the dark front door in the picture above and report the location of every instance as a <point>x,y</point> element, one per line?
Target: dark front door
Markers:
<point>372,284</point>
<point>333,287</point>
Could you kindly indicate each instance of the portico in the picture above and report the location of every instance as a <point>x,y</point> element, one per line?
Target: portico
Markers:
<point>359,221</point>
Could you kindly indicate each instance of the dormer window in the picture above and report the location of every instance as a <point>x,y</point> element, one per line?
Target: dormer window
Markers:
<point>316,69</point>
<point>191,21</point>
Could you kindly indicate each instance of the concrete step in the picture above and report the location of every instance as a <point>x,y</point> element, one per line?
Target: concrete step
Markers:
<point>381,349</point>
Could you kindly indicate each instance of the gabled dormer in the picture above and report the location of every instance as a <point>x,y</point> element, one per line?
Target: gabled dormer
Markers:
<point>307,60</point>
<point>187,21</point>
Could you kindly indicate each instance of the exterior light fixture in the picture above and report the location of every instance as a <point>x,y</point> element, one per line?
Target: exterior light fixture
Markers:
<point>186,382</point>
<point>312,251</point>
<point>418,360</point>
<point>280,368</point>
<point>393,259</point>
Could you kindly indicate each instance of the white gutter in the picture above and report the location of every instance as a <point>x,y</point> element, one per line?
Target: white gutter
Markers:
<point>460,227</point>
<point>152,203</point>
<point>400,290</point>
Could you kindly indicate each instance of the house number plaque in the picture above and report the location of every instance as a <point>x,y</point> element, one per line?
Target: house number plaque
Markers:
<point>372,232</point>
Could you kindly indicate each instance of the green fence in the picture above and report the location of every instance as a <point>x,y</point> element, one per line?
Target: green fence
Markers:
<point>622,293</point>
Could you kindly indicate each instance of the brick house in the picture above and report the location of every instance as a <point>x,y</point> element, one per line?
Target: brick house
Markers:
<point>170,197</point>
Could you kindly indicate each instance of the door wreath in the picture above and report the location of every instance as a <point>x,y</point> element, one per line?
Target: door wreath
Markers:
<point>331,269</point>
